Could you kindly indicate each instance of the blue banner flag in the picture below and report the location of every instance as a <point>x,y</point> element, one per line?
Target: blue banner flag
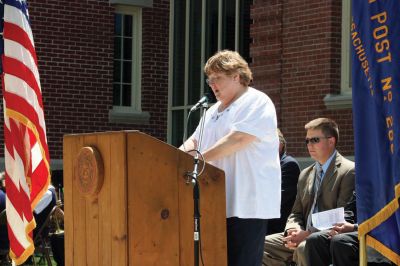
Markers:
<point>375,41</point>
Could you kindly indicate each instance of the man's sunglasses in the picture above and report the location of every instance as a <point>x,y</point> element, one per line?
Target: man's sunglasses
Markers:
<point>315,140</point>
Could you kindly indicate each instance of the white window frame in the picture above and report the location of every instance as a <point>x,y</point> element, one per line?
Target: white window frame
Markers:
<point>132,113</point>
<point>141,3</point>
<point>344,99</point>
<point>346,55</point>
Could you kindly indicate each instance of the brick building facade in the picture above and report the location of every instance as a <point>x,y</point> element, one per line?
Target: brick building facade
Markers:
<point>295,51</point>
<point>74,44</point>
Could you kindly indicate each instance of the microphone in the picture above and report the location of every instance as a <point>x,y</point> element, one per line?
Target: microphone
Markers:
<point>203,100</point>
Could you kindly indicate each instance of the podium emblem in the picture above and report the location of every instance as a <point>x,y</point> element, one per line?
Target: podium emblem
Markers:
<point>89,171</point>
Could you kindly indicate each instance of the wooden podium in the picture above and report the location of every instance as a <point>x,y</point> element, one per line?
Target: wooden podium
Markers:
<point>127,203</point>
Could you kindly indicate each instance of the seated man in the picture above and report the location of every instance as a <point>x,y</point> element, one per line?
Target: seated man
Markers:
<point>44,207</point>
<point>318,246</point>
<point>41,211</point>
<point>340,245</point>
<point>325,185</point>
<point>290,171</point>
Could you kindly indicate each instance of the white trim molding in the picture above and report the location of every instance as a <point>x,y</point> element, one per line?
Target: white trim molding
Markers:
<point>138,3</point>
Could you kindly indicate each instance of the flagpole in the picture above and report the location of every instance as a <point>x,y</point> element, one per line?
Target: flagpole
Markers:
<point>363,251</point>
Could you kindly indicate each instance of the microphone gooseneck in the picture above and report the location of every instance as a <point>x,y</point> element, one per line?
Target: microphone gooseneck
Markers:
<point>200,103</point>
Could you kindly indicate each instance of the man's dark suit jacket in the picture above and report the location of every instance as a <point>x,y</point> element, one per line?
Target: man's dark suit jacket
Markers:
<point>290,175</point>
<point>2,200</point>
<point>373,256</point>
<point>350,210</point>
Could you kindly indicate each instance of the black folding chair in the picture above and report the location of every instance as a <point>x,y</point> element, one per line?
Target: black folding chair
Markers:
<point>53,225</point>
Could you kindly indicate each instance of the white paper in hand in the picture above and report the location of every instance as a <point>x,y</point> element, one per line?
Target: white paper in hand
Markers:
<point>326,219</point>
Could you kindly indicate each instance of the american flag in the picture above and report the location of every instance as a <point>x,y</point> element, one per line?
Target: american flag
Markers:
<point>26,152</point>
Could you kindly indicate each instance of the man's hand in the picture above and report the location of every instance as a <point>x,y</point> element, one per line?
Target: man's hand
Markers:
<point>341,228</point>
<point>295,237</point>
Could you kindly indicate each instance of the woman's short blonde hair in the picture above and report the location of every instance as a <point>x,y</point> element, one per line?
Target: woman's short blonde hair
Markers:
<point>229,63</point>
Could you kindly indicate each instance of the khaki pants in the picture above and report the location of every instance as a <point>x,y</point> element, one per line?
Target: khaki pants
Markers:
<point>276,254</point>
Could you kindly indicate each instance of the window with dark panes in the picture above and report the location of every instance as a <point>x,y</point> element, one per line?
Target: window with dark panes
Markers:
<point>126,78</point>
<point>199,28</point>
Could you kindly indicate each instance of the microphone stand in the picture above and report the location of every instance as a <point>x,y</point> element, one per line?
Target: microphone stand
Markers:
<point>196,189</point>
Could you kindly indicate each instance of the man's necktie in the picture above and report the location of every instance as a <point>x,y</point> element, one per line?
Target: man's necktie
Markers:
<point>317,183</point>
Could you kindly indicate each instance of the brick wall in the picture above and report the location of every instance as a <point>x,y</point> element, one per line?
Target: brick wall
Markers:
<point>74,44</point>
<point>295,54</point>
<point>296,61</point>
<point>155,56</point>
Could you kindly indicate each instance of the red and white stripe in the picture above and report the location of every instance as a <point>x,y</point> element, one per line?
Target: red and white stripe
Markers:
<point>26,151</point>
